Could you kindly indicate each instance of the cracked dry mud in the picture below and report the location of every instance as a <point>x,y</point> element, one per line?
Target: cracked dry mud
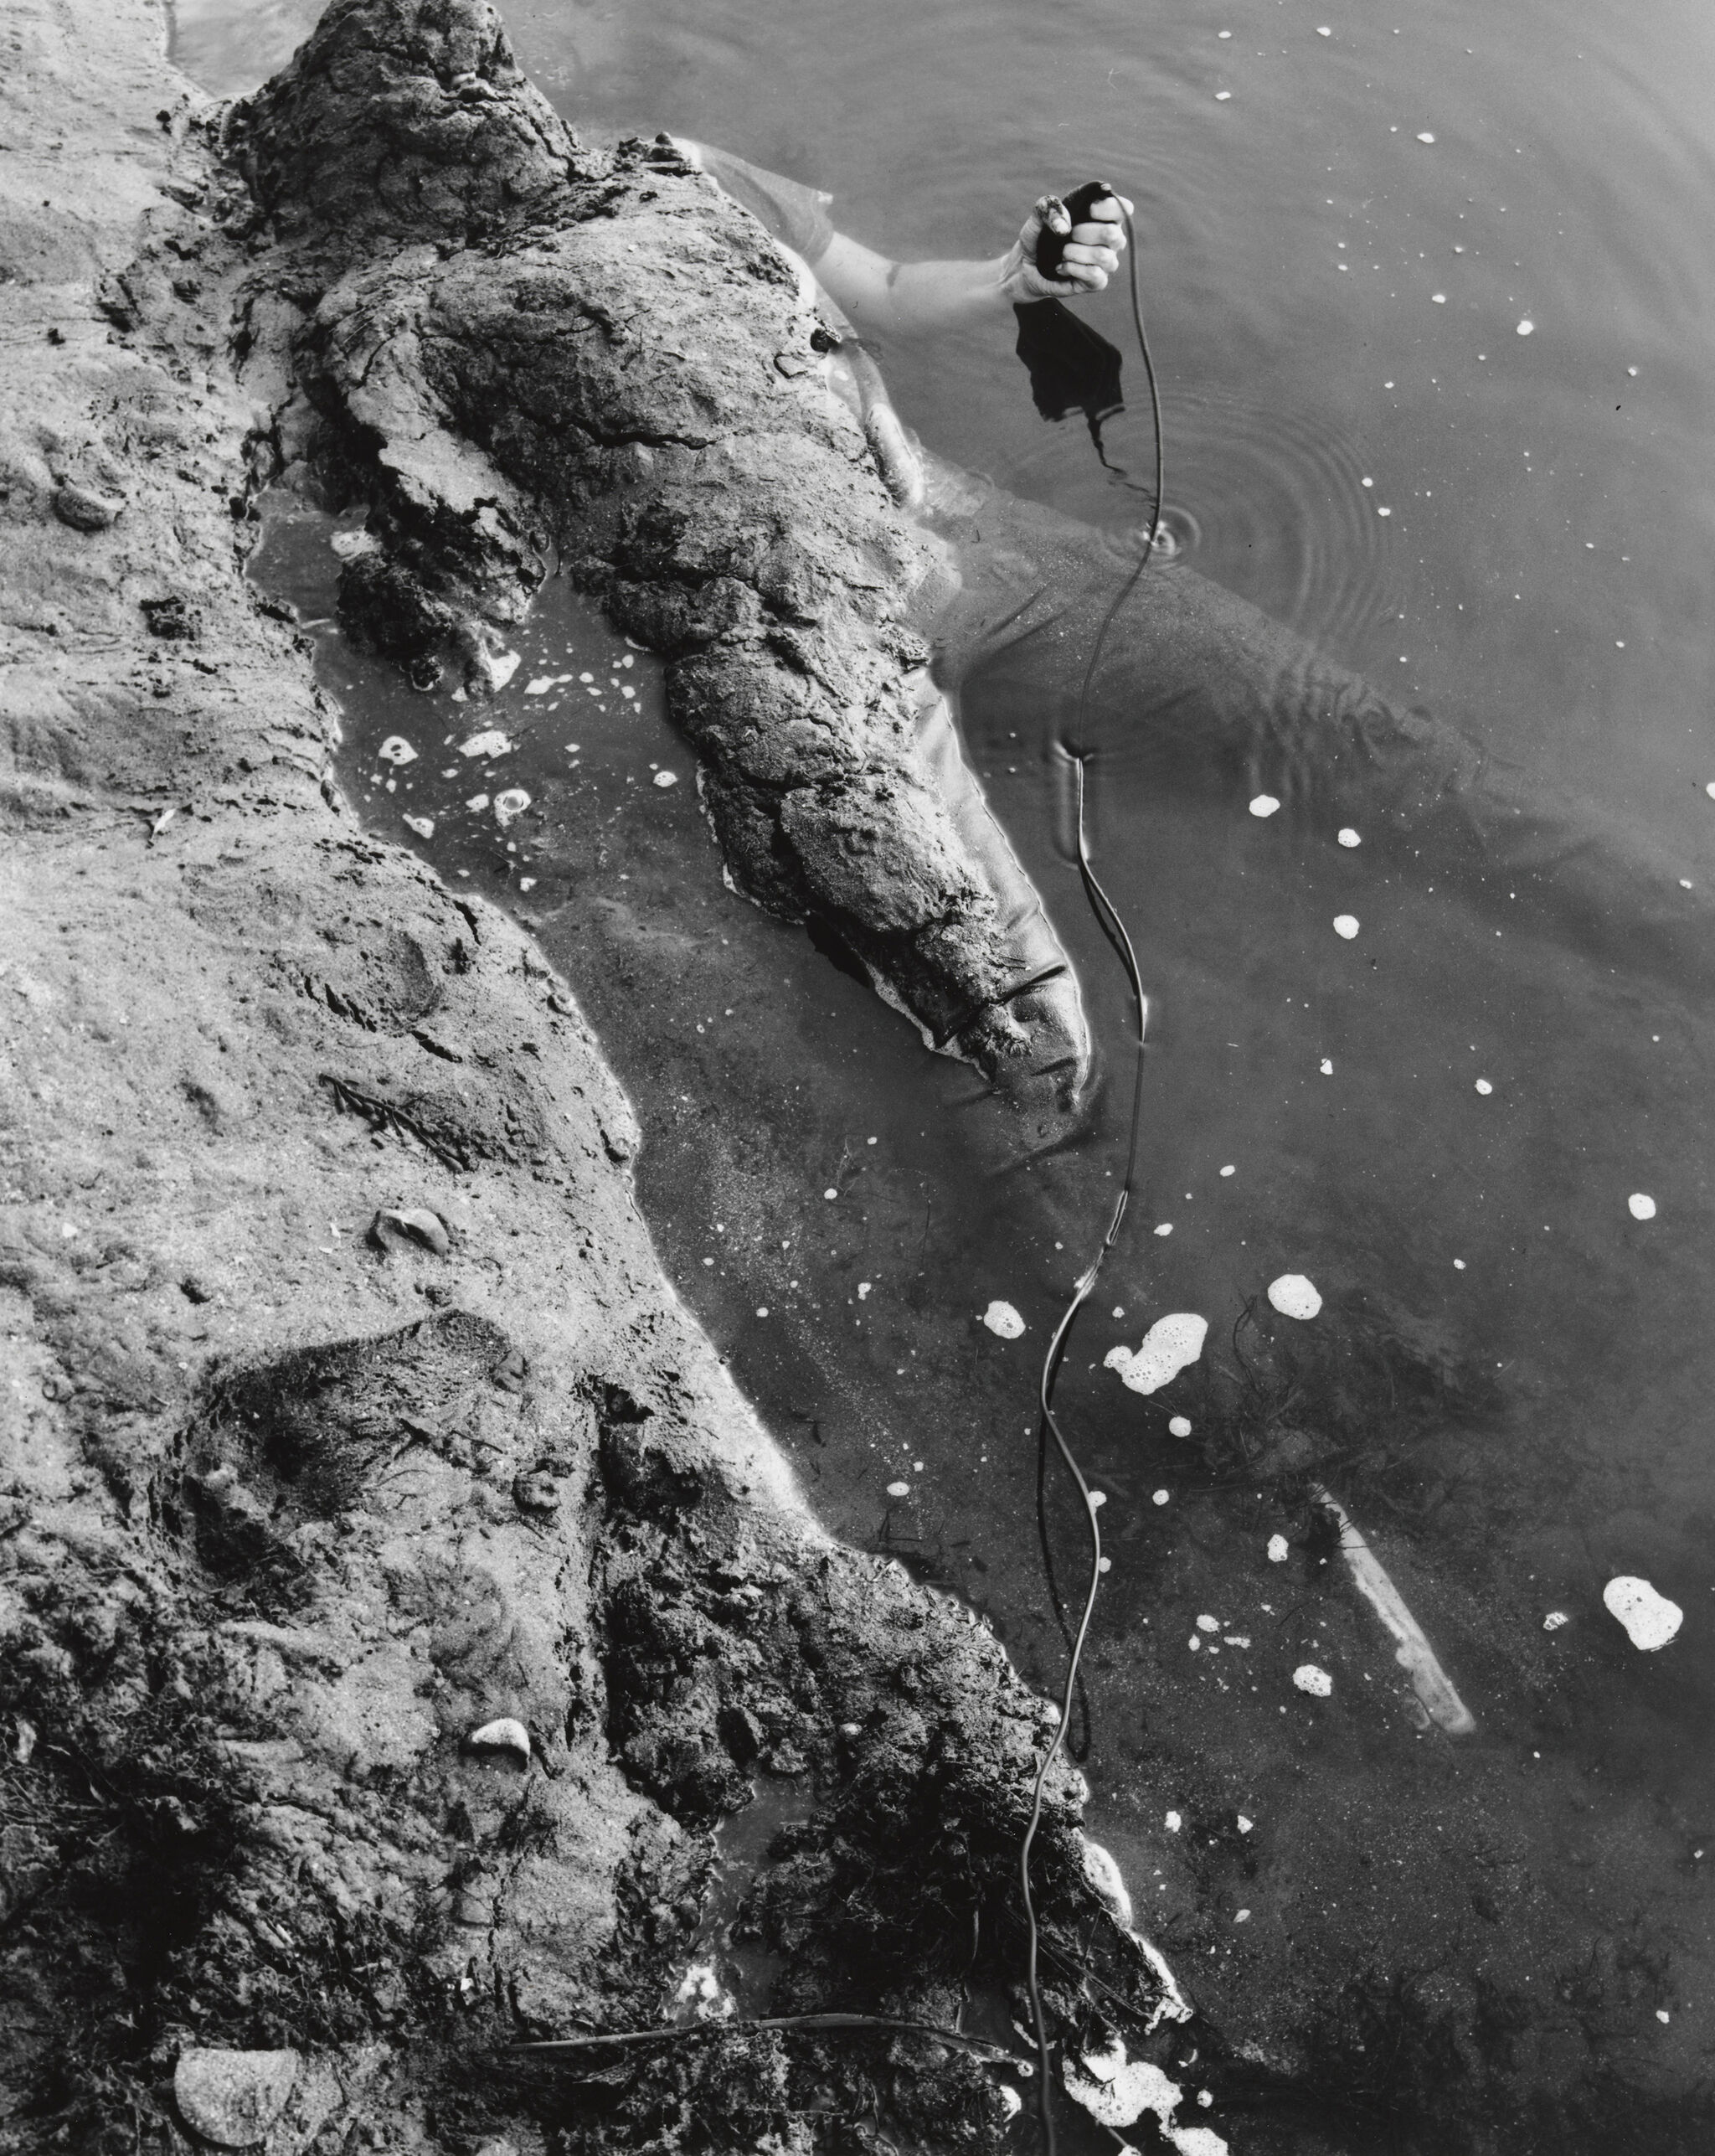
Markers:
<point>297,1501</point>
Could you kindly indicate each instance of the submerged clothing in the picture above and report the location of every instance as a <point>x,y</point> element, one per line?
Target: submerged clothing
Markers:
<point>796,214</point>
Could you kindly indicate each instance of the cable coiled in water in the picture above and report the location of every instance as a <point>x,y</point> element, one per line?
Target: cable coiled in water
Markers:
<point>1113,926</point>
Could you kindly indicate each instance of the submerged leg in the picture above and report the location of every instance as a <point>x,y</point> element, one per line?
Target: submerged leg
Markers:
<point>1214,696</point>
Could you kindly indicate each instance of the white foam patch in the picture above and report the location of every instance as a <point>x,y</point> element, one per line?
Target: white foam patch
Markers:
<point>665,779</point>
<point>1526,326</point>
<point>510,806</point>
<point>1649,1619</point>
<point>502,668</point>
<point>348,546</point>
<point>1317,1682</point>
<point>1640,1206</point>
<point>1117,2090</point>
<point>1554,1620</point>
<point>1263,805</point>
<point>1004,1320</point>
<point>1179,1425</point>
<point>396,750</point>
<point>1171,1345</point>
<point>1346,925</point>
<point>540,686</point>
<point>898,1490</point>
<point>1279,1549</point>
<point>1294,1296</point>
<point>477,801</point>
<point>1348,836</point>
<point>492,743</point>
<point>424,826</point>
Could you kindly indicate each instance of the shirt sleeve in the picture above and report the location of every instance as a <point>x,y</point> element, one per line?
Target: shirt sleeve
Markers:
<point>797,216</point>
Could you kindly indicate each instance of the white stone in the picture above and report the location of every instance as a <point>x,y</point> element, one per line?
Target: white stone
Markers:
<point>1004,1320</point>
<point>1649,1619</point>
<point>232,2097</point>
<point>1294,1296</point>
<point>507,1734</point>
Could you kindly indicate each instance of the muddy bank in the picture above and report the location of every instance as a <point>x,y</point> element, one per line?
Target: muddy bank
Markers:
<point>520,353</point>
<point>396,1591</point>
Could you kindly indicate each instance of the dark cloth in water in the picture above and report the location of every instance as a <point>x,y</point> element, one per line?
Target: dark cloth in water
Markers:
<point>797,216</point>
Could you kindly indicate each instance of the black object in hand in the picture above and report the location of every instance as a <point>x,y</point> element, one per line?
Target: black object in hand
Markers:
<point>1051,246</point>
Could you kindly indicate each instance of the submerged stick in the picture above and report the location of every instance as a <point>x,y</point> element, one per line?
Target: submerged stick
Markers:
<point>1415,1655</point>
<point>677,2031</point>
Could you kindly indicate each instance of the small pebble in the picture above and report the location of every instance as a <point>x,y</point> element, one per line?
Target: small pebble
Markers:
<point>507,1734</point>
<point>232,2097</point>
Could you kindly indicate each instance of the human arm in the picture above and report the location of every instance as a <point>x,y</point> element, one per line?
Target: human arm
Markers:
<point>914,298</point>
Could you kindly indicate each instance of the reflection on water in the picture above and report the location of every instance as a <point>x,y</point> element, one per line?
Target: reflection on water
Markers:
<point>1441,1121</point>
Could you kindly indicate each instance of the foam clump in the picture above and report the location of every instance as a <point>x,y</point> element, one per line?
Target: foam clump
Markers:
<point>1171,1345</point>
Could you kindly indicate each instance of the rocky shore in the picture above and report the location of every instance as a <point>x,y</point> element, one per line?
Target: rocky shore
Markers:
<point>395,1593</point>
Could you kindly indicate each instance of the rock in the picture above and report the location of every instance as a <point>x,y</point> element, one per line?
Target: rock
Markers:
<point>392,1228</point>
<point>232,2097</point>
<point>170,617</point>
<point>536,1491</point>
<point>506,1734</point>
<point>84,509</point>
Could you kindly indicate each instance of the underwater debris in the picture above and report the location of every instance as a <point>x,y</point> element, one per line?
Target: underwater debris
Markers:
<point>1413,1653</point>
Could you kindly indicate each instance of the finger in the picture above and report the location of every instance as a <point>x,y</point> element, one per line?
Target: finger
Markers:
<point>1100,235</point>
<point>1108,208</point>
<point>1097,258</point>
<point>1083,276</point>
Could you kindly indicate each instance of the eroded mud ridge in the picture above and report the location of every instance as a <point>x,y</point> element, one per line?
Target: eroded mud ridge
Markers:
<point>522,352</point>
<point>394,1590</point>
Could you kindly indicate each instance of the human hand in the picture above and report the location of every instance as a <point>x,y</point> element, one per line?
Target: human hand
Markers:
<point>1094,247</point>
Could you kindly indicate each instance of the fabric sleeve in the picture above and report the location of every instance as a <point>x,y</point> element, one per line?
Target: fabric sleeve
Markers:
<point>797,216</point>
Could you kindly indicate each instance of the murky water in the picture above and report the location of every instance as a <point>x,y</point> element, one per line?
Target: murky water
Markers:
<point>1441,1121</point>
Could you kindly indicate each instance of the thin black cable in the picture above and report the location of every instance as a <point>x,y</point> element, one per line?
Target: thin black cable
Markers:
<point>1113,926</point>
